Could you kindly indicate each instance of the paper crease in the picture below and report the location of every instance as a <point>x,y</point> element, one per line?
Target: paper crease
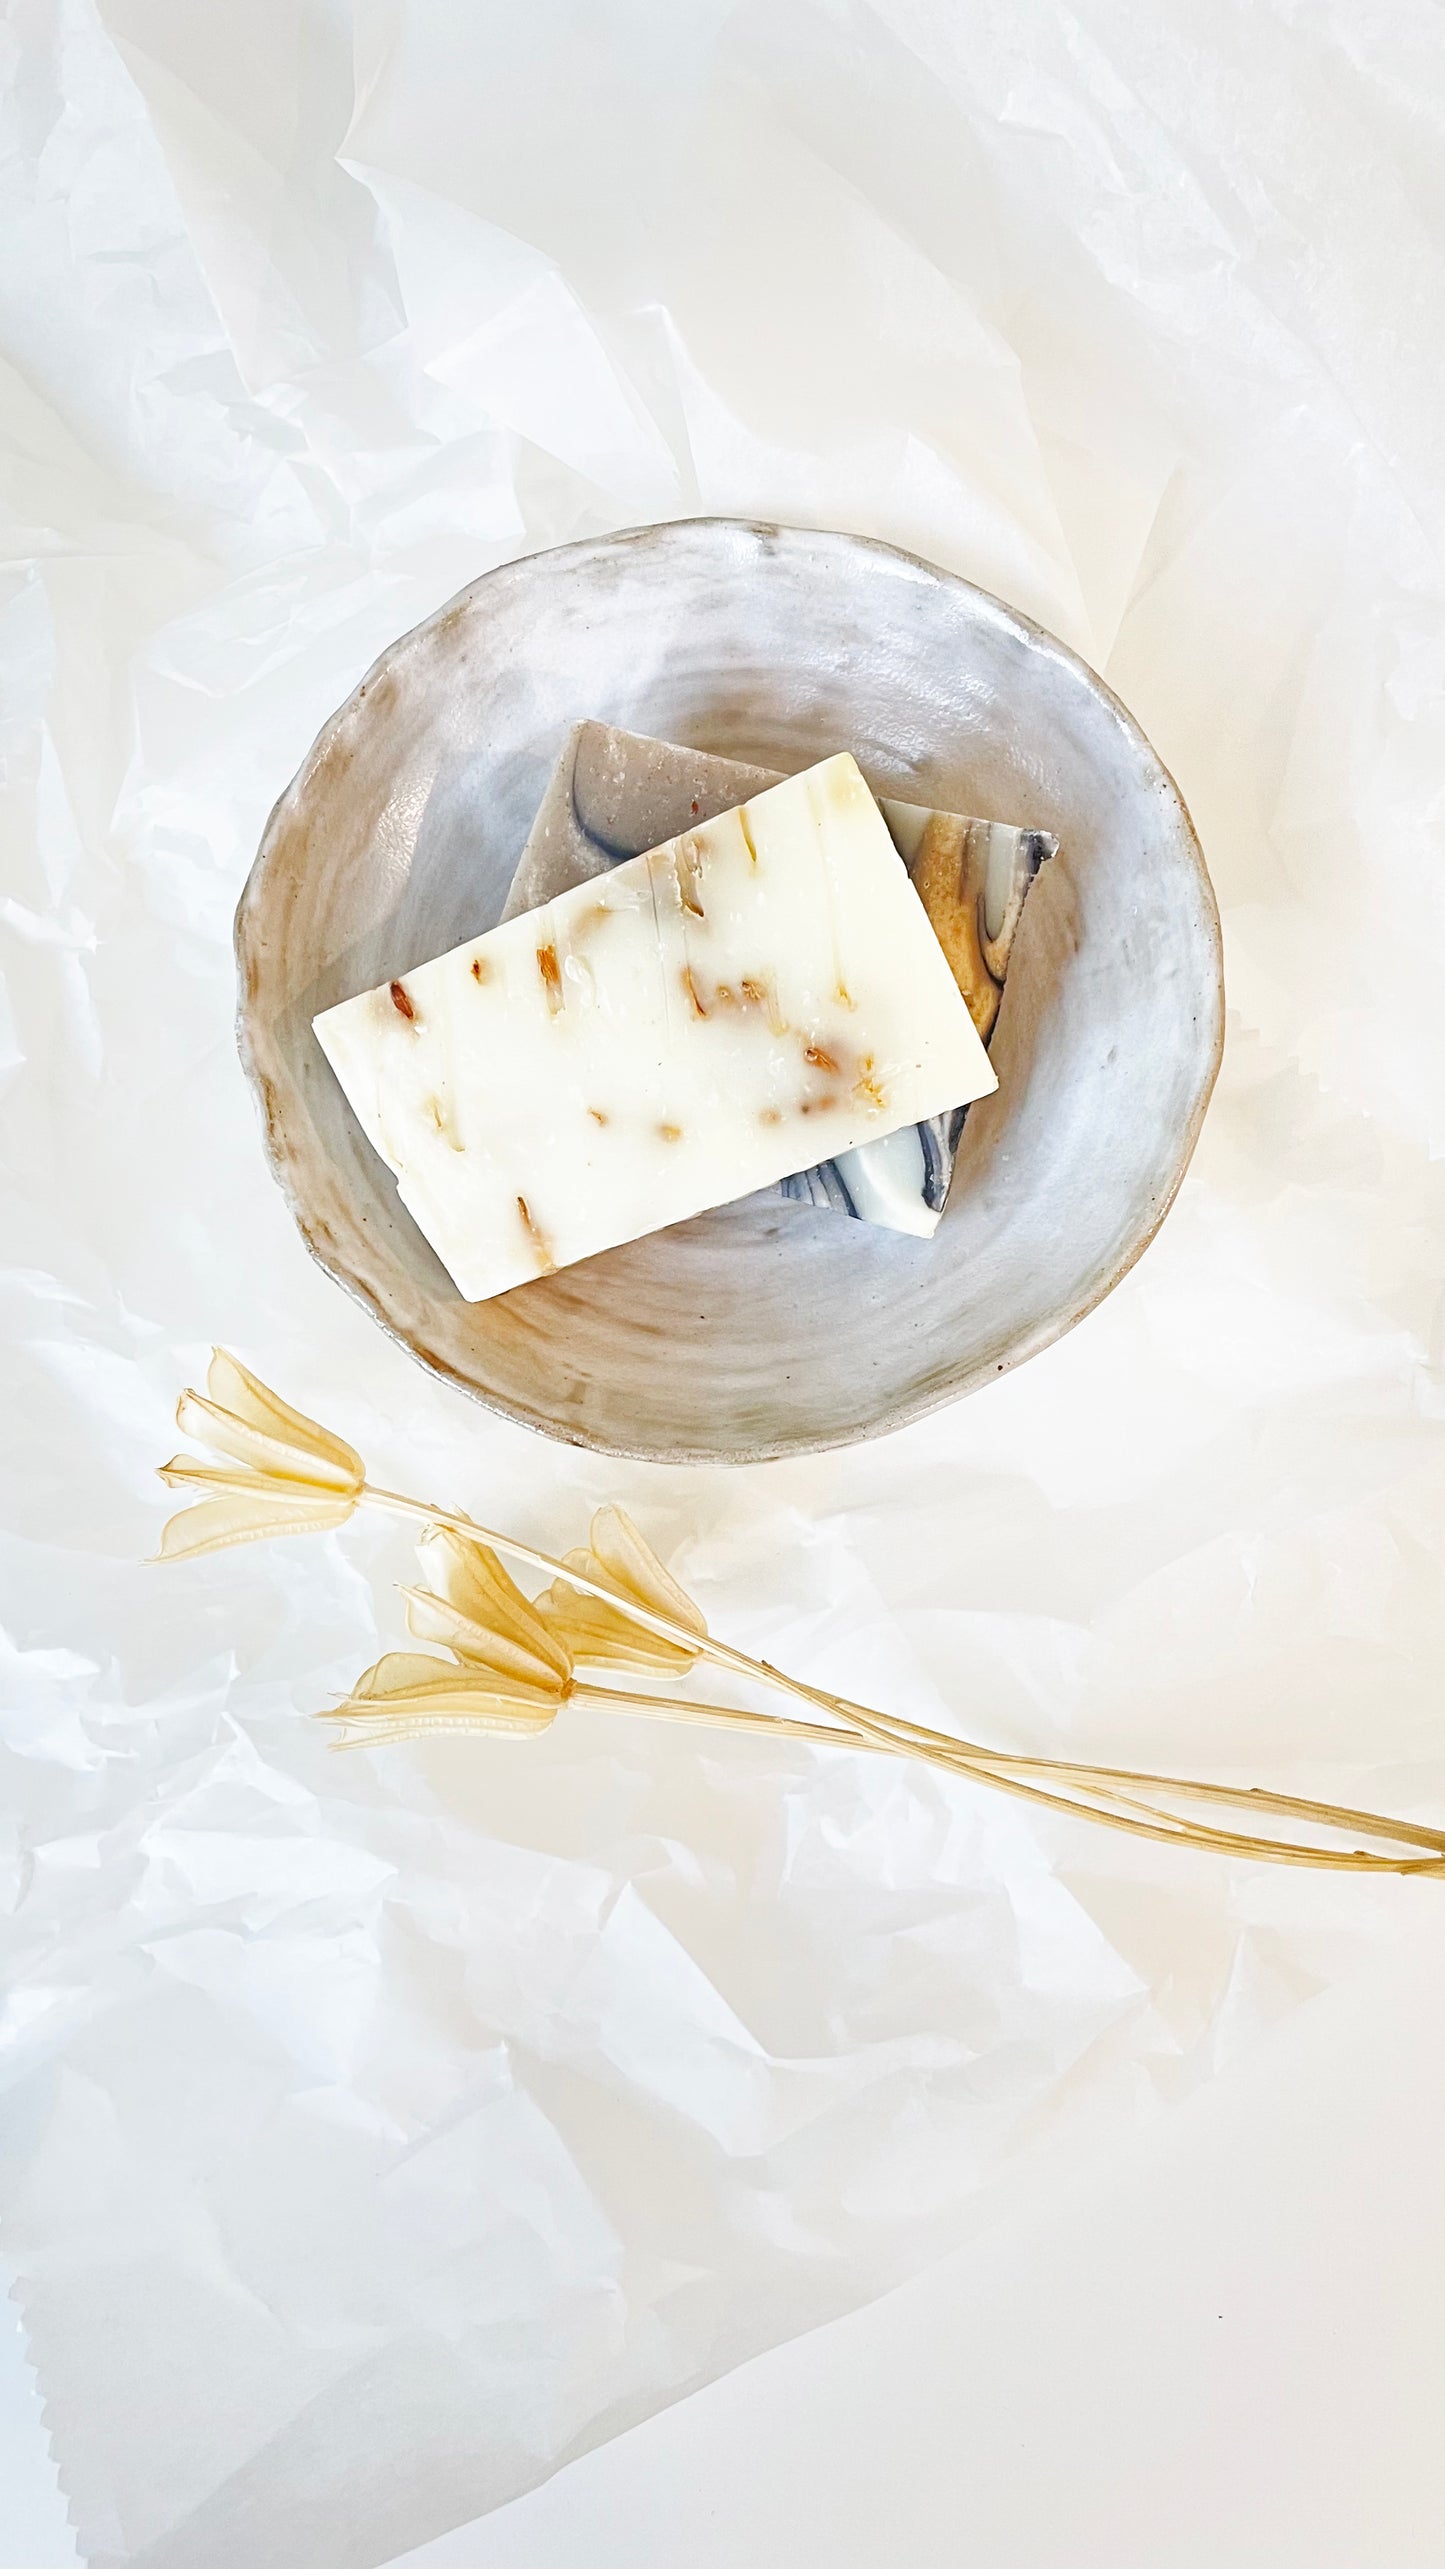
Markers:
<point>378,2132</point>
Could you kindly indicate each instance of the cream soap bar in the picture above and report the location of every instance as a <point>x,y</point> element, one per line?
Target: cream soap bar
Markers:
<point>758,994</point>
<point>614,793</point>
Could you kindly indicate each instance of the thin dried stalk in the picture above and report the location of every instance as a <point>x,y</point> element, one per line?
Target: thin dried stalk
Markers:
<point>1096,1797</point>
<point>1114,1797</point>
<point>1101,1780</point>
<point>513,1659</point>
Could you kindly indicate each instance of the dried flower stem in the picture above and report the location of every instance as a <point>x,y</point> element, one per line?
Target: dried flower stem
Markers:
<point>1117,1797</point>
<point>1100,1779</point>
<point>512,1661</point>
<point>1116,1809</point>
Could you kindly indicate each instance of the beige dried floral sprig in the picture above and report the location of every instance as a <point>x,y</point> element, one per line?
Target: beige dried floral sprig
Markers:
<point>507,1672</point>
<point>470,1604</point>
<point>616,1561</point>
<point>275,1473</point>
<point>513,1664</point>
<point>611,1605</point>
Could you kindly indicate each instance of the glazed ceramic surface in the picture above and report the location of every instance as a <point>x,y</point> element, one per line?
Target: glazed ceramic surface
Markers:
<point>763,1328</point>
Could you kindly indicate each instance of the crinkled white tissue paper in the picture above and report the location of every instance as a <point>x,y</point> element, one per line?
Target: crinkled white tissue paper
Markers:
<point>379,2131</point>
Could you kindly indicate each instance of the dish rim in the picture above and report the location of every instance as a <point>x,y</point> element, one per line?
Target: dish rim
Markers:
<point>246,947</point>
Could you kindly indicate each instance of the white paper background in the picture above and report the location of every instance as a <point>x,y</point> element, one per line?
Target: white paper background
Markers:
<point>378,2132</point>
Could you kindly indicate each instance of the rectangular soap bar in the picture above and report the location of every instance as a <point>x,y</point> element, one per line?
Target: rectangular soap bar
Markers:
<point>614,793</point>
<point>760,990</point>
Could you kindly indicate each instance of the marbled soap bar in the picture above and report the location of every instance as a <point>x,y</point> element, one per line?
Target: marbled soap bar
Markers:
<point>762,989</point>
<point>614,794</point>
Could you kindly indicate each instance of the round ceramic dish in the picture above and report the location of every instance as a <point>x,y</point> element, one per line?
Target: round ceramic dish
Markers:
<point>764,1328</point>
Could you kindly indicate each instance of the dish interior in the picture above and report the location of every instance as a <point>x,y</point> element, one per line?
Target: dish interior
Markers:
<point>762,1328</point>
